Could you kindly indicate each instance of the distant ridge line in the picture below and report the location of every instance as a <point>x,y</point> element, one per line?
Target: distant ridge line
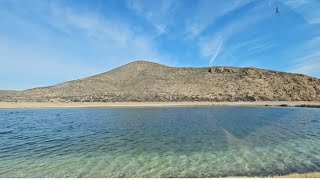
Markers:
<point>143,81</point>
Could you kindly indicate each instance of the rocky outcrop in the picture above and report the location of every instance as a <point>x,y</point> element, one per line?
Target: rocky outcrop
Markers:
<point>146,81</point>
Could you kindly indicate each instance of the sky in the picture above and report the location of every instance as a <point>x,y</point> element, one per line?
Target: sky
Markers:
<point>48,42</point>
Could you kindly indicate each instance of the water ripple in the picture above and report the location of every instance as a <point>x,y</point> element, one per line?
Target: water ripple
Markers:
<point>159,142</point>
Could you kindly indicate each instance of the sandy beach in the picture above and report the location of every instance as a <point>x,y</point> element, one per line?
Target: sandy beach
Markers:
<point>294,175</point>
<point>304,175</point>
<point>13,105</point>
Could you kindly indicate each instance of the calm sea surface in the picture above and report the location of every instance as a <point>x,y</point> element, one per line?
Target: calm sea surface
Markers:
<point>159,142</point>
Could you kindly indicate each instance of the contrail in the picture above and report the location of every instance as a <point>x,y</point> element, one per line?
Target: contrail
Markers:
<point>218,47</point>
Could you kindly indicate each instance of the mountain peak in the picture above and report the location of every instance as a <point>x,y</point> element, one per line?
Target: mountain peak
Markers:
<point>150,81</point>
<point>143,63</point>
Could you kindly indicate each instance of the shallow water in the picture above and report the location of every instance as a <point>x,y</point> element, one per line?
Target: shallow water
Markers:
<point>159,142</point>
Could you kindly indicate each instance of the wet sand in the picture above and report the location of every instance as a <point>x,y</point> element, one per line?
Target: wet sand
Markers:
<point>14,105</point>
<point>304,175</point>
<point>294,175</point>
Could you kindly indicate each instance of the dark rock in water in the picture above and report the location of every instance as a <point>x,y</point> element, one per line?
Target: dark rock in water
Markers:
<point>307,105</point>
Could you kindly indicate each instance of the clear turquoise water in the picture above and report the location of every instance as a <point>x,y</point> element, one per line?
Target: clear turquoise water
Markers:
<point>159,142</point>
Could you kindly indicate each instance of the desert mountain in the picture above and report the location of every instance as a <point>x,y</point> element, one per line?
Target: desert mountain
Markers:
<point>147,81</point>
<point>6,92</point>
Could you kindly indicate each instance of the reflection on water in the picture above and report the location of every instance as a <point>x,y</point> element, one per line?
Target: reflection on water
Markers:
<point>159,142</point>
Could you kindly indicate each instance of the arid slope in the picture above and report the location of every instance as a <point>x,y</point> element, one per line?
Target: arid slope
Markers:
<point>152,82</point>
<point>6,92</point>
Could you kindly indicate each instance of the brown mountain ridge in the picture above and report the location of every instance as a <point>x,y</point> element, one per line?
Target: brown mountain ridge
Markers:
<point>143,81</point>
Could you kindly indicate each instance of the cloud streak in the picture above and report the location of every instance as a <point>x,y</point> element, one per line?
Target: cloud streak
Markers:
<point>158,15</point>
<point>308,62</point>
<point>218,42</point>
<point>82,38</point>
<point>208,12</point>
<point>212,49</point>
<point>72,41</point>
<point>308,9</point>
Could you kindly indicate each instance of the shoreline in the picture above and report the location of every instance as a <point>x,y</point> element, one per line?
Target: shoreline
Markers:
<point>24,105</point>
<point>298,175</point>
<point>293,175</point>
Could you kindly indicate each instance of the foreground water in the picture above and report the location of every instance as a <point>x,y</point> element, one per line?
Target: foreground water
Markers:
<point>159,142</point>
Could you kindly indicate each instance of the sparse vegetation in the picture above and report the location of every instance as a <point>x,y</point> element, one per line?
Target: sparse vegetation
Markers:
<point>143,81</point>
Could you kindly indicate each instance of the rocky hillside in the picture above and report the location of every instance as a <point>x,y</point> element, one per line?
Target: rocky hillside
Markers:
<point>146,81</point>
<point>6,92</point>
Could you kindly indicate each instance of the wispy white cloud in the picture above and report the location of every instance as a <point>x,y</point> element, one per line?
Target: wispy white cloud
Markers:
<point>218,42</point>
<point>115,37</point>
<point>80,41</point>
<point>212,48</point>
<point>311,69</point>
<point>308,9</point>
<point>86,24</point>
<point>86,42</point>
<point>261,47</point>
<point>208,12</point>
<point>254,45</point>
<point>307,61</point>
<point>157,14</point>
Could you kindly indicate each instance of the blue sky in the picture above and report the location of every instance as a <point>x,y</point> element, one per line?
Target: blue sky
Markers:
<point>47,42</point>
